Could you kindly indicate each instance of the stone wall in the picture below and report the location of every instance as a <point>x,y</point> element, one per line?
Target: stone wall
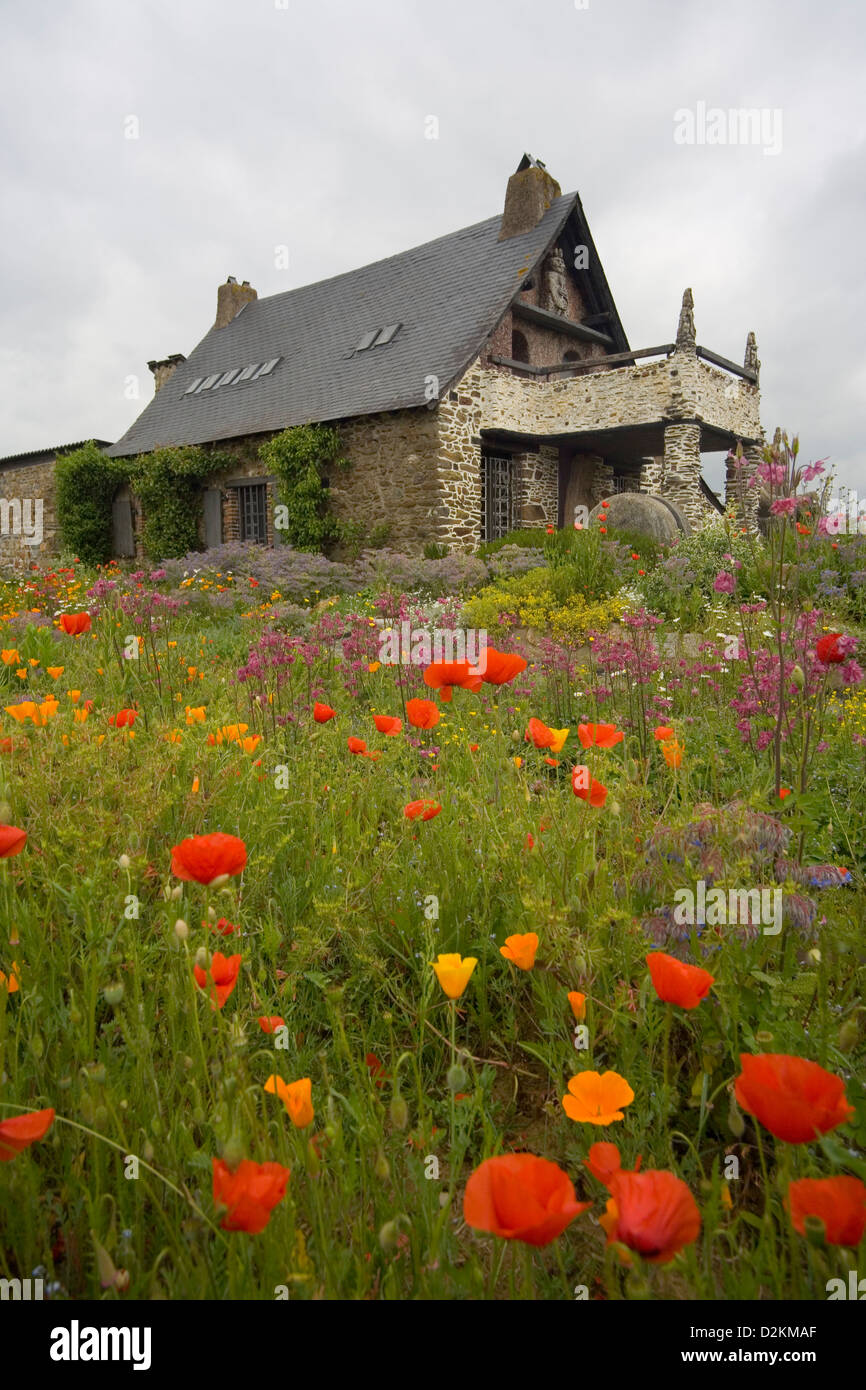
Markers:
<point>394,477</point>
<point>536,487</point>
<point>20,485</point>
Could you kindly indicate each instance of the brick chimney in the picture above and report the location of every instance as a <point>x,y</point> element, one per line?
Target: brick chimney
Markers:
<point>231,298</point>
<point>164,368</point>
<point>529,194</point>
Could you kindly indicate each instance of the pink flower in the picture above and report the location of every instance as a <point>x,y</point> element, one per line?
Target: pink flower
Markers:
<point>784,506</point>
<point>724,582</point>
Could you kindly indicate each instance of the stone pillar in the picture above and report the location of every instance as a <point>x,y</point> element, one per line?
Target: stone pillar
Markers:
<point>682,465</point>
<point>652,474</point>
<point>536,487</point>
<point>741,497</point>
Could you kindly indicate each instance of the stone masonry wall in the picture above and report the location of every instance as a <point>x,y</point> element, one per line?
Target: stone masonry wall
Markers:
<point>536,493</point>
<point>27,482</point>
<point>394,476</point>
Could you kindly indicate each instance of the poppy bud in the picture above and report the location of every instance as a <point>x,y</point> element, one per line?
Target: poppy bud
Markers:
<point>399,1113</point>
<point>815,955</point>
<point>764,1037</point>
<point>181,929</point>
<point>176,892</point>
<point>124,861</point>
<point>202,958</point>
<point>147,1151</point>
<point>515,736</point>
<point>456,1078</point>
<point>798,676</point>
<point>388,1236</point>
<point>113,993</point>
<point>849,1034</point>
<point>36,1046</point>
<point>381,1168</point>
<point>121,1280</point>
<point>736,1123</point>
<point>233,1153</point>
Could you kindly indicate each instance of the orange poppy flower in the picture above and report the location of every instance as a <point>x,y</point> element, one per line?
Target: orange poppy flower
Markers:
<point>543,737</point>
<point>839,1202</point>
<point>796,1100</point>
<point>12,984</point>
<point>250,744</point>
<point>453,972</point>
<point>55,671</point>
<point>498,668</point>
<point>521,949</point>
<point>387,724</point>
<point>21,1131</point>
<point>599,735</point>
<point>75,623</point>
<point>205,858</point>
<point>653,1213</point>
<point>74,696</point>
<point>442,675</point>
<point>672,752</point>
<point>663,732</point>
<point>296,1097</point>
<point>12,841</point>
<point>10,656</point>
<point>249,1194</point>
<point>521,1197</point>
<point>271,1022</point>
<point>425,809</point>
<point>322,713</point>
<point>596,794</point>
<point>220,978</point>
<point>578,1005</point>
<point>124,718</point>
<point>595,1099</point>
<point>195,714</point>
<point>677,983</point>
<point>422,714</point>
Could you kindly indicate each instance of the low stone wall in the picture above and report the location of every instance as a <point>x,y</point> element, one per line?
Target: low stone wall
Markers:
<point>28,530</point>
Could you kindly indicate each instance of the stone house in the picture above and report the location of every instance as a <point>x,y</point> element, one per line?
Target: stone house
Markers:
<point>480,382</point>
<point>28,512</point>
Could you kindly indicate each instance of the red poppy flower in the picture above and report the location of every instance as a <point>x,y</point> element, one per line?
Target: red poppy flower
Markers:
<point>425,809</point>
<point>375,1068</point>
<point>75,623</point>
<point>322,713</point>
<point>839,1202</point>
<point>223,926</point>
<point>794,1099</point>
<point>21,1131</point>
<point>249,1194</point>
<point>219,979</point>
<point>653,1213</point>
<point>677,983</point>
<point>827,649</point>
<point>442,675</point>
<point>124,718</point>
<point>12,841</point>
<point>203,858</point>
<point>521,1197</point>
<point>542,737</point>
<point>602,735</point>
<point>596,794</point>
<point>603,1161</point>
<point>387,724</point>
<point>271,1022</point>
<point>498,668</point>
<point>422,714</point>
<point>663,732</point>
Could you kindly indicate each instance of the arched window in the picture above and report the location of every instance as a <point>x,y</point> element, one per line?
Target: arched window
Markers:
<point>571,357</point>
<point>519,347</point>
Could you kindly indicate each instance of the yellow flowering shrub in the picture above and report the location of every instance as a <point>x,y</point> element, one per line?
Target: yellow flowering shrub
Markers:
<point>531,599</point>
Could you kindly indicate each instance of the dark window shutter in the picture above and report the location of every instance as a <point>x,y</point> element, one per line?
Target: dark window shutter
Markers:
<point>213,517</point>
<point>122,537</point>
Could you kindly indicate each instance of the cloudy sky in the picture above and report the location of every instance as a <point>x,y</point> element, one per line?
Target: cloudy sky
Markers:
<point>151,148</point>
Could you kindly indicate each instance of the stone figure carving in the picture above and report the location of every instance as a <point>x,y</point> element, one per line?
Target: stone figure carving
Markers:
<point>555,293</point>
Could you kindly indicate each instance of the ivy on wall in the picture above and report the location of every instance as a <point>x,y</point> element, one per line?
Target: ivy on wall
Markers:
<point>170,485</point>
<point>300,458</point>
<point>86,484</point>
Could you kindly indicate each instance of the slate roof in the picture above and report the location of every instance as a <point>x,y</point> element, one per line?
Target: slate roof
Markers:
<point>448,294</point>
<point>35,455</point>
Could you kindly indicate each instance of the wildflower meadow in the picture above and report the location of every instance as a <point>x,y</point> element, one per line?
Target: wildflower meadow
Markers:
<point>336,965</point>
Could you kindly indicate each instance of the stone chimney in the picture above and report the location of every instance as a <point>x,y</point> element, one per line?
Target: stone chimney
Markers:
<point>231,298</point>
<point>686,337</point>
<point>529,194</point>
<point>164,368</point>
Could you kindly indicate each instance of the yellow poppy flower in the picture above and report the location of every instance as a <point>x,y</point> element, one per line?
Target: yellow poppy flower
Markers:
<point>453,973</point>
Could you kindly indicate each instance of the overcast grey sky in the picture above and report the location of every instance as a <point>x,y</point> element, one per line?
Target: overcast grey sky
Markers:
<point>264,123</point>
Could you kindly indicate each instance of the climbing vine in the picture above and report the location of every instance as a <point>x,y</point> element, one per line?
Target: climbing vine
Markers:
<point>86,484</point>
<point>299,458</point>
<point>170,486</point>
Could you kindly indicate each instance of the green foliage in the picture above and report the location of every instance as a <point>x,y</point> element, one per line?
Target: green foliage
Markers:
<point>86,484</point>
<point>298,458</point>
<point>528,539</point>
<point>649,550</point>
<point>681,584</point>
<point>544,599</point>
<point>169,483</point>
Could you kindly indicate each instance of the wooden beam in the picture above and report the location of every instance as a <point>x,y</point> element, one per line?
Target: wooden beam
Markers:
<point>614,359</point>
<point>729,366</point>
<point>545,319</point>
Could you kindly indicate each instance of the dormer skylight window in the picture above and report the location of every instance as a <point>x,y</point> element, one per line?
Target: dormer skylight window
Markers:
<point>377,337</point>
<point>235,376</point>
